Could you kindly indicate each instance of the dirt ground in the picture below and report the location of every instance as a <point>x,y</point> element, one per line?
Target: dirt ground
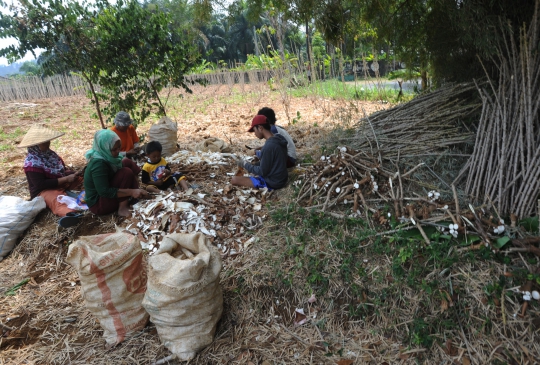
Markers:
<point>47,323</point>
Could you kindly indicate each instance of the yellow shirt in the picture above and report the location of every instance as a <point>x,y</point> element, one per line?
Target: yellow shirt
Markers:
<point>153,172</point>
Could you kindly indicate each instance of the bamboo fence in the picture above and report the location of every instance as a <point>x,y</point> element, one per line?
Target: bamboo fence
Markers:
<point>35,87</point>
<point>232,77</point>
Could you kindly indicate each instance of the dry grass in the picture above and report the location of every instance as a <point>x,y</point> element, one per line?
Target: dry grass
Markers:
<point>369,317</point>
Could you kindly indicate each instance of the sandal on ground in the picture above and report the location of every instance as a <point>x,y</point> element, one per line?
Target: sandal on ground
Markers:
<point>74,214</point>
<point>69,221</point>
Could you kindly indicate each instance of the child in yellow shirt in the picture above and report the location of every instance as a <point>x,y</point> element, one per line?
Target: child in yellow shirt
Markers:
<point>156,173</point>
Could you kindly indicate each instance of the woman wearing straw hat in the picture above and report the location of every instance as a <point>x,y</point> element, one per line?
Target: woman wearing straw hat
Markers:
<point>108,179</point>
<point>45,171</point>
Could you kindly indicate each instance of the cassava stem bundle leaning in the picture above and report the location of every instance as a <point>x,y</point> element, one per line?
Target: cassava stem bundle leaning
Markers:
<point>505,164</point>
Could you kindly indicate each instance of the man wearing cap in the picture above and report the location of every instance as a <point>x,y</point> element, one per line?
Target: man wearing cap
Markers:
<point>272,171</point>
<point>276,129</point>
<point>45,171</point>
<point>123,126</point>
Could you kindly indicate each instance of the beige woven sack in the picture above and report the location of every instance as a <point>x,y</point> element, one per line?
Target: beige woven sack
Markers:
<point>213,144</point>
<point>164,131</point>
<point>113,276</point>
<point>184,298</point>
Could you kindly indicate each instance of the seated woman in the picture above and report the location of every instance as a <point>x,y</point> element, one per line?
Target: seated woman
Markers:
<point>127,133</point>
<point>110,180</point>
<point>45,171</point>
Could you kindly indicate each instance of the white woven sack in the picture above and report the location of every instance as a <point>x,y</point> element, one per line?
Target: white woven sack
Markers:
<point>164,131</point>
<point>16,215</point>
<point>213,144</point>
<point>183,297</point>
<point>113,276</point>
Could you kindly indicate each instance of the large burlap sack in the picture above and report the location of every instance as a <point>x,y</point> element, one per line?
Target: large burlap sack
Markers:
<point>16,215</point>
<point>113,276</point>
<point>183,297</point>
<point>213,144</point>
<point>164,131</point>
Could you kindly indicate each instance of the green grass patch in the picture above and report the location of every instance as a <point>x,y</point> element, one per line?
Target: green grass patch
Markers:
<point>367,91</point>
<point>6,136</point>
<point>398,281</point>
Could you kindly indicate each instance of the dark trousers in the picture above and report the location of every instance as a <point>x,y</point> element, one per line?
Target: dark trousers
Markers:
<point>125,178</point>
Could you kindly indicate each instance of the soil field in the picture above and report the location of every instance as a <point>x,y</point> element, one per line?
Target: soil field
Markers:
<point>46,322</point>
<point>310,288</point>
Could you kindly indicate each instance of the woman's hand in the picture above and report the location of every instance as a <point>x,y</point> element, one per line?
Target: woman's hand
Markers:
<point>137,193</point>
<point>67,179</point>
<point>71,178</point>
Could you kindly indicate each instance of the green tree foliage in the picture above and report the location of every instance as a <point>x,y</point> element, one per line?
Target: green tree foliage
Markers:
<point>145,56</point>
<point>64,30</point>
<point>130,51</point>
<point>463,34</point>
<point>30,68</point>
<point>450,38</point>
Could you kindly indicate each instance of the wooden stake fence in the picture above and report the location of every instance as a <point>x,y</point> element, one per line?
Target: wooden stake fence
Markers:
<point>35,87</point>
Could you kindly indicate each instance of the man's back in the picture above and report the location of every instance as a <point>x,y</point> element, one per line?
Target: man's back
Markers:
<point>273,166</point>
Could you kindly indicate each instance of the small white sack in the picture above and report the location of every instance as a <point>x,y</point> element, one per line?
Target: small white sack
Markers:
<point>183,297</point>
<point>164,131</point>
<point>112,271</point>
<point>213,144</point>
<point>16,215</point>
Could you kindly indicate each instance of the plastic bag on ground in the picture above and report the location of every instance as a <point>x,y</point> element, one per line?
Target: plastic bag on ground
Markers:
<point>184,297</point>
<point>113,276</point>
<point>71,203</point>
<point>16,215</point>
<point>164,131</point>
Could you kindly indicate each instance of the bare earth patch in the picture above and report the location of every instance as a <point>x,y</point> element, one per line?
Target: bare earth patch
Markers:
<point>264,288</point>
<point>47,321</point>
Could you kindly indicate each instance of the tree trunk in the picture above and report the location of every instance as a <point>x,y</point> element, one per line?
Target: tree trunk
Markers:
<point>96,100</point>
<point>309,53</point>
<point>423,75</point>
<point>256,42</point>
<point>275,20</point>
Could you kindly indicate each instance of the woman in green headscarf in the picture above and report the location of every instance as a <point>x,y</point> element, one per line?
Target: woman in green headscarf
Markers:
<point>109,180</point>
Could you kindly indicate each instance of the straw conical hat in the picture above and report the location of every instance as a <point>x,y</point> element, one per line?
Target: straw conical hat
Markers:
<point>39,134</point>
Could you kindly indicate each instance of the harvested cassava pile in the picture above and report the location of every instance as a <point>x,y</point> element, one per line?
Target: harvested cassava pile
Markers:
<point>352,181</point>
<point>504,166</point>
<point>427,124</point>
<point>350,177</point>
<point>223,213</point>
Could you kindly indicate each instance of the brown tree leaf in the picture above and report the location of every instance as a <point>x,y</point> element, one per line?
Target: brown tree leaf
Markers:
<point>444,305</point>
<point>450,349</point>
<point>344,362</point>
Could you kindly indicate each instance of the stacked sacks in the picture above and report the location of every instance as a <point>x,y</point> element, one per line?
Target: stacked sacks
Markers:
<point>183,297</point>
<point>112,271</point>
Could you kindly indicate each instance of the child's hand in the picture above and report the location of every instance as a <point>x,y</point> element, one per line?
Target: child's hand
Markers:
<point>166,173</point>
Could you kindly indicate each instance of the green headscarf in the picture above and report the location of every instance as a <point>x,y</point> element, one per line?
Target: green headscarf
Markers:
<point>104,141</point>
